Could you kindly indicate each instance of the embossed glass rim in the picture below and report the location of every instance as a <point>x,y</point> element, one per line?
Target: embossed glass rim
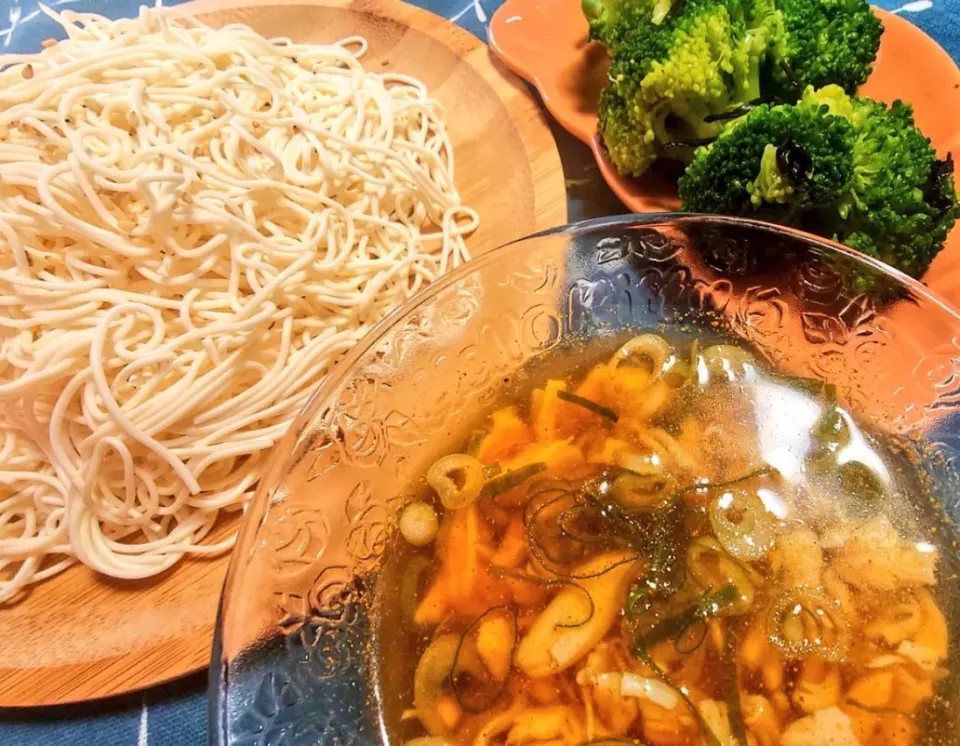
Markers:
<point>285,449</point>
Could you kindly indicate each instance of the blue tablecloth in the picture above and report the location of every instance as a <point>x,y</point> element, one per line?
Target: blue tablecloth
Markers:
<point>176,714</point>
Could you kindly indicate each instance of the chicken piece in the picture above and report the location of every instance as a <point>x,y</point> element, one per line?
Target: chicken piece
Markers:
<point>772,673</point>
<point>895,622</point>
<point>618,692</point>
<point>550,647</point>
<point>781,705</point>
<point>829,727</point>
<point>461,567</point>
<point>756,653</point>
<point>508,433</point>
<point>872,690</point>
<point>638,402</point>
<point>923,656</point>
<point>714,714</point>
<point>755,645</point>
<point>449,711</point>
<point>561,458</point>
<point>670,449</point>
<point>546,691</point>
<point>818,685</point>
<point>541,725</point>
<point>524,593</point>
<point>871,554</point>
<point>894,730</point>
<point>495,645</point>
<point>840,591</point>
<point>666,726</point>
<point>761,720</point>
<point>603,684</point>
<point>910,690</point>
<point>928,647</point>
<point>609,452</point>
<point>616,712</point>
<point>513,545</point>
<point>498,724</point>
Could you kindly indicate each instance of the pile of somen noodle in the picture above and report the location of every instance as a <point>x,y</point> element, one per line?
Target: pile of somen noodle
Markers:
<point>622,565</point>
<point>194,224</point>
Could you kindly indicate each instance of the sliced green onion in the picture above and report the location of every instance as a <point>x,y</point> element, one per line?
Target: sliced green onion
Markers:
<point>677,373</point>
<point>411,584</point>
<point>832,429</point>
<point>431,677</point>
<point>674,627</point>
<point>643,490</point>
<point>638,594</point>
<point>712,567</point>
<point>419,523</point>
<point>803,383</point>
<point>860,480</point>
<point>804,622</point>
<point>651,347</point>
<point>729,362</point>
<point>742,524</point>
<point>457,478</point>
<point>591,406</point>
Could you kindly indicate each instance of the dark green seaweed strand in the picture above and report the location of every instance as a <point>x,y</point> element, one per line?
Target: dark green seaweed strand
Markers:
<point>591,406</point>
<point>731,690</point>
<point>523,577</point>
<point>714,486</point>
<point>509,480</point>
<point>708,606</point>
<point>877,710</point>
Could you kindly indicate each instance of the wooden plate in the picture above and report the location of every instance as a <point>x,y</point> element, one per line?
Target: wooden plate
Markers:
<point>79,636</point>
<point>545,42</point>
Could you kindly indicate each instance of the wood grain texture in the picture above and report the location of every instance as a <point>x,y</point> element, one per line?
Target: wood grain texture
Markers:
<point>80,636</point>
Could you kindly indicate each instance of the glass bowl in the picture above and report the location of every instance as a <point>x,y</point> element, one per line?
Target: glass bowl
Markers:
<point>296,651</point>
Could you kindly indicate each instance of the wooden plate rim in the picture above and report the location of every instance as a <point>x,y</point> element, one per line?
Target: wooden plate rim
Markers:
<point>190,652</point>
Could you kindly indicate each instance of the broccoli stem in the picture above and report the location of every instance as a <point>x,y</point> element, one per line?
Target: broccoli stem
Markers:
<point>592,9</point>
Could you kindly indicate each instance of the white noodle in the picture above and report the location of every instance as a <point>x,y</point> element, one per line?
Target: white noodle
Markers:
<point>195,224</point>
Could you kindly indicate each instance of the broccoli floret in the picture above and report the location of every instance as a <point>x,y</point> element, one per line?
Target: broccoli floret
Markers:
<point>826,42</point>
<point>777,160</point>
<point>847,168</point>
<point>675,79</point>
<point>902,201</point>
<point>630,147</point>
<point>687,68</point>
<point>752,164</point>
<point>611,20</point>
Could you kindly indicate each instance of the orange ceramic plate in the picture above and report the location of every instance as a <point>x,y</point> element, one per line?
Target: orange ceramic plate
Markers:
<point>545,42</point>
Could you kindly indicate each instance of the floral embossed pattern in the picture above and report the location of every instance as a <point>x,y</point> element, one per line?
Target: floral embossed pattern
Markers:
<point>297,646</point>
